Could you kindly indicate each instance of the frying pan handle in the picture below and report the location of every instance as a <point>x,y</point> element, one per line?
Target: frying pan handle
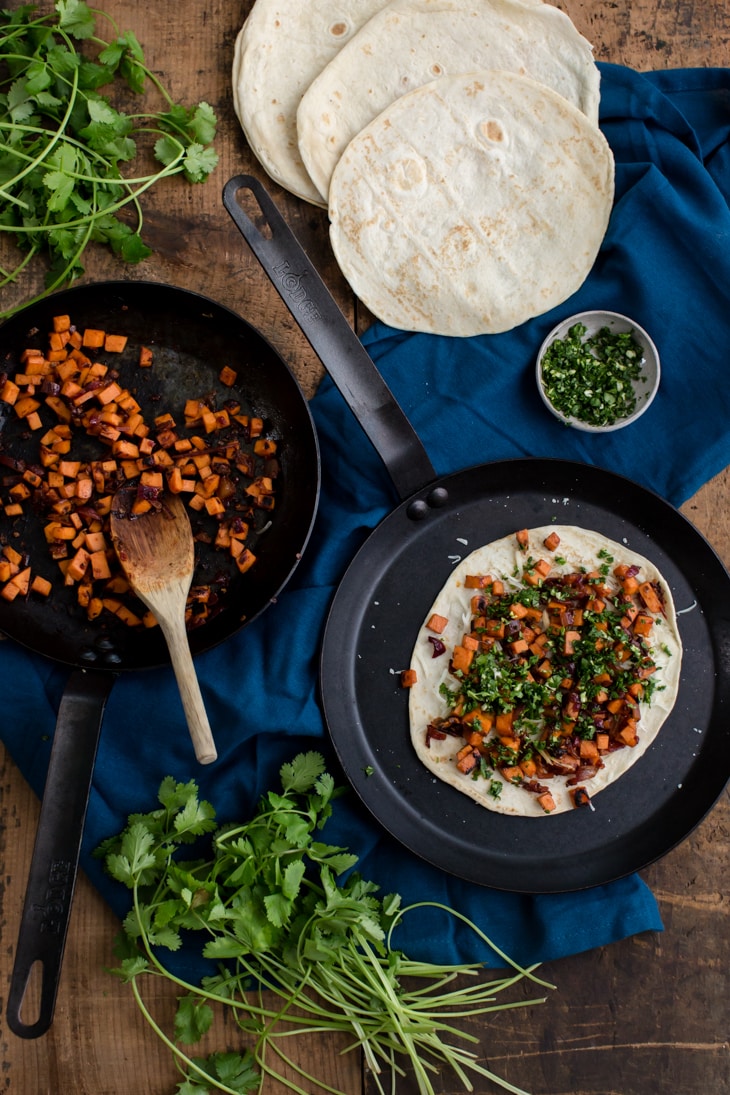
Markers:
<point>332,339</point>
<point>54,866</point>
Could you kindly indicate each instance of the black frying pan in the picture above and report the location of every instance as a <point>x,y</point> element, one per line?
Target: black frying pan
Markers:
<point>191,338</point>
<point>389,587</point>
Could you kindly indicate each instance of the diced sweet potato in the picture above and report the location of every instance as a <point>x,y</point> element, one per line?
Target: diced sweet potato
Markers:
<point>245,560</point>
<point>41,585</point>
<point>92,338</point>
<point>650,597</point>
<point>588,751</point>
<point>461,659</point>
<point>547,802</point>
<point>436,623</point>
<point>467,760</point>
<point>115,344</point>
<point>228,376</point>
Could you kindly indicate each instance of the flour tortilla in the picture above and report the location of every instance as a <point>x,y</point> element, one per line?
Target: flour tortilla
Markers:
<point>471,205</point>
<point>410,42</point>
<point>280,49</point>
<point>580,548</point>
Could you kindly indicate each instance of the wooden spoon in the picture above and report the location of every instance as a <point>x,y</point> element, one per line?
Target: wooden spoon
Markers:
<point>157,553</point>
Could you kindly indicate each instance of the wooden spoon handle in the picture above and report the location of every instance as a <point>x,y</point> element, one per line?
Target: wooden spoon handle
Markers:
<point>187,682</point>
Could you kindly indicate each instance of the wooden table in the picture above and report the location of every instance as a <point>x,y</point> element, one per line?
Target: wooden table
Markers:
<point>647,1016</point>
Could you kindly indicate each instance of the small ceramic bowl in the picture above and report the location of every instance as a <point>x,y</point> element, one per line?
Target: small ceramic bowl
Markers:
<point>645,386</point>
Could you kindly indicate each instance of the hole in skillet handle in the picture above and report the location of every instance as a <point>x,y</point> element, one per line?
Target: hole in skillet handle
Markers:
<point>329,334</point>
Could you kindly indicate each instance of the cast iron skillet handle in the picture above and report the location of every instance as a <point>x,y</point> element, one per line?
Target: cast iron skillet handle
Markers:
<point>53,869</point>
<point>332,339</point>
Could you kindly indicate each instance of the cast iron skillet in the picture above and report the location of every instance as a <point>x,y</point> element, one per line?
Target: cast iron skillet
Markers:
<point>191,338</point>
<point>393,580</point>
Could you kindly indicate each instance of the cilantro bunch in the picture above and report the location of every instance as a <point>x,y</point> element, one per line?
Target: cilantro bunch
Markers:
<point>63,145</point>
<point>302,943</point>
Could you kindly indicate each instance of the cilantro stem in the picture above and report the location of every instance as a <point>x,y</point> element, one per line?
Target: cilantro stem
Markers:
<point>300,1071</point>
<point>520,970</point>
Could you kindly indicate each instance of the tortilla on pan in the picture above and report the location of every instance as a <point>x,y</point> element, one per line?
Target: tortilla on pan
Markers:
<point>279,50</point>
<point>557,697</point>
<point>471,205</point>
<point>410,42</point>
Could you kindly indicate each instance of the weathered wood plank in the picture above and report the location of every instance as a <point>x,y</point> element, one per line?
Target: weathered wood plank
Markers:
<point>646,1015</point>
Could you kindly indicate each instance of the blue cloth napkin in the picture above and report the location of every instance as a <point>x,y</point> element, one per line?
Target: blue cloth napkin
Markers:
<point>665,261</point>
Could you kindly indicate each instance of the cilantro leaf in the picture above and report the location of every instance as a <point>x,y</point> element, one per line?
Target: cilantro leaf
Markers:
<point>193,1019</point>
<point>37,78</point>
<point>60,186</point>
<point>292,880</point>
<point>225,947</point>
<point>302,773</point>
<point>195,818</point>
<point>140,924</point>
<point>202,124</point>
<point>168,150</point>
<point>128,244</point>
<point>172,794</point>
<point>125,56</point>
<point>278,909</point>
<point>133,864</point>
<point>76,18</point>
<point>132,66</point>
<point>92,75</point>
<point>199,162</point>
<point>131,968</point>
<point>237,1071</point>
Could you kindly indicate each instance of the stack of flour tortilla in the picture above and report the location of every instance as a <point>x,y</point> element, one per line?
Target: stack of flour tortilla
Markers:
<point>454,143</point>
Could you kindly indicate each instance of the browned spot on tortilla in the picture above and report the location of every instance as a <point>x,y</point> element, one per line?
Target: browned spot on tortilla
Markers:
<point>460,238</point>
<point>338,29</point>
<point>492,130</point>
<point>411,174</point>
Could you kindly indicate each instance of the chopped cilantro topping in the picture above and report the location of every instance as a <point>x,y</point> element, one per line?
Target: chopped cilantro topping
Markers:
<point>553,673</point>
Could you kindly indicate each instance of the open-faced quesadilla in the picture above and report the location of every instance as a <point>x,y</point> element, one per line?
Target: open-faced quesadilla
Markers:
<point>544,669</point>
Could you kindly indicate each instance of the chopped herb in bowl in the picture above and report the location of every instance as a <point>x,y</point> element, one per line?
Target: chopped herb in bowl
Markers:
<point>598,371</point>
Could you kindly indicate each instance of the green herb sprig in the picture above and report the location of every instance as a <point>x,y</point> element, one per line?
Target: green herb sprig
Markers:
<point>592,379</point>
<point>286,917</point>
<point>62,142</point>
